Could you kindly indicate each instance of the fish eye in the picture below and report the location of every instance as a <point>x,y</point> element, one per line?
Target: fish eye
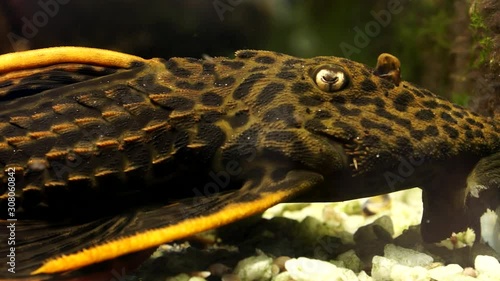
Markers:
<point>330,78</point>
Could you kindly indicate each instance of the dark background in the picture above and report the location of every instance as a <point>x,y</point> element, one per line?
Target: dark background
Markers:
<point>431,38</point>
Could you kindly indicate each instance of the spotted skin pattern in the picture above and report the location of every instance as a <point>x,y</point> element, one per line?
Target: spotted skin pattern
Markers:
<point>130,134</point>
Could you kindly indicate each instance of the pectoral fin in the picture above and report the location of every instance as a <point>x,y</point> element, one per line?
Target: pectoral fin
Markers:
<point>454,202</point>
<point>483,192</point>
<point>483,182</point>
<point>53,249</point>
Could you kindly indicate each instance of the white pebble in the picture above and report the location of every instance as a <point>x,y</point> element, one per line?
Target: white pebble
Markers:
<point>490,228</point>
<point>488,268</point>
<point>407,257</point>
<point>362,276</point>
<point>403,273</point>
<point>486,263</point>
<point>283,276</point>
<point>460,277</point>
<point>381,268</point>
<point>304,269</point>
<point>258,268</point>
<point>443,272</point>
<point>197,278</point>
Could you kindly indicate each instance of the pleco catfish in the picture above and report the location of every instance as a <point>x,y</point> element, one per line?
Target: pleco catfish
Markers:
<point>105,154</point>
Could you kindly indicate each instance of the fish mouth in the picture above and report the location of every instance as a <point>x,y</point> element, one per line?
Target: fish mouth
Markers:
<point>344,150</point>
<point>336,151</point>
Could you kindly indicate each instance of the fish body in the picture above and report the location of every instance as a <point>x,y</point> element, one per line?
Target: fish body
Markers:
<point>108,154</point>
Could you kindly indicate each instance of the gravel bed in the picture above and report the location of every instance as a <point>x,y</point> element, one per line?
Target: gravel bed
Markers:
<point>362,239</point>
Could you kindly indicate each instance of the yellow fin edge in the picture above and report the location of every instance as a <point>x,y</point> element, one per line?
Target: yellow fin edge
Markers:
<point>156,237</point>
<point>54,55</point>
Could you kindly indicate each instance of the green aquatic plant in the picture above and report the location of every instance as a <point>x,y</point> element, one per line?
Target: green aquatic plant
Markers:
<point>481,37</point>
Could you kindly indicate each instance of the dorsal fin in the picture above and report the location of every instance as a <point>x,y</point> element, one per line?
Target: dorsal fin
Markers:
<point>31,72</point>
<point>57,55</point>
